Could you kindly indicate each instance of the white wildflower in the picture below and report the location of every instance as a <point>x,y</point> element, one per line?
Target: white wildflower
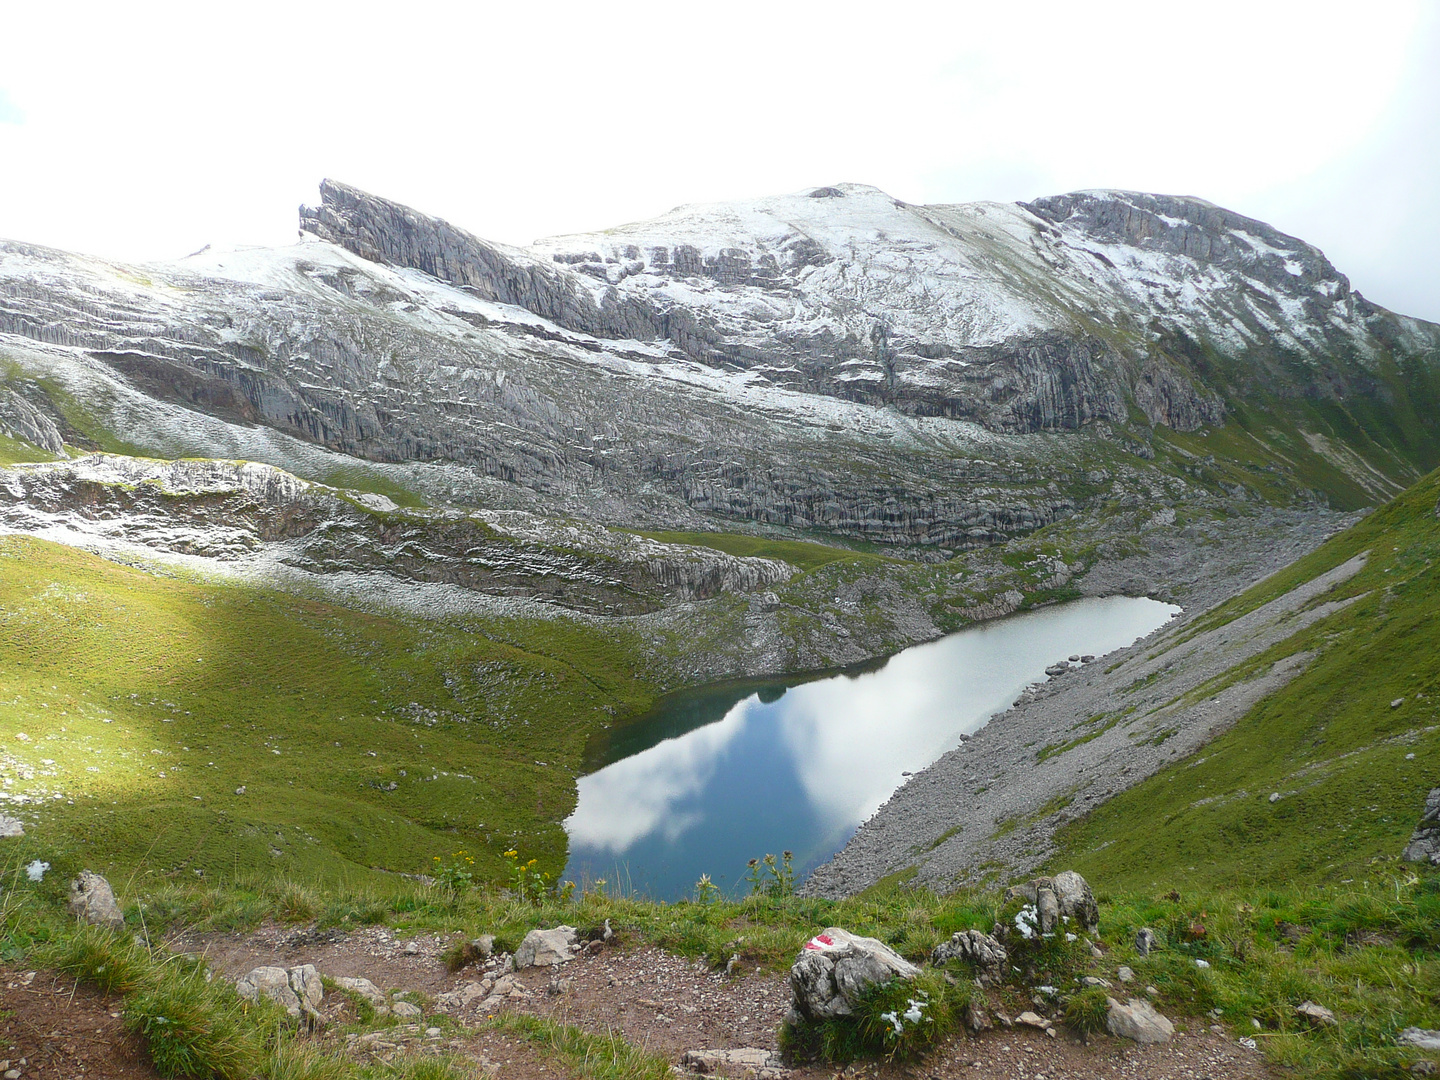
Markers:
<point>915,1013</point>
<point>892,1019</point>
<point>36,870</point>
<point>1071,937</point>
<point>1027,921</point>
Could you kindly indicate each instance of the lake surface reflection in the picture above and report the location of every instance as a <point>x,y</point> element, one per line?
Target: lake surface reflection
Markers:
<point>716,777</point>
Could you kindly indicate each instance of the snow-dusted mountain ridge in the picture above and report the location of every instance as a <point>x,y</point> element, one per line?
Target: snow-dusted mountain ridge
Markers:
<point>1022,317</point>
<point>833,362</point>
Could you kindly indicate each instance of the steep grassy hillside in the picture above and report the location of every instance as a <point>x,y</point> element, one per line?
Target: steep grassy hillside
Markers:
<point>1350,745</point>
<point>132,708</point>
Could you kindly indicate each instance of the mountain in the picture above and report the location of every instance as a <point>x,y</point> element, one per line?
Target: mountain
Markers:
<point>834,361</point>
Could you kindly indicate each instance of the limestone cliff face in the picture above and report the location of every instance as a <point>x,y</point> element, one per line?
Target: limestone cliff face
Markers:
<point>231,511</point>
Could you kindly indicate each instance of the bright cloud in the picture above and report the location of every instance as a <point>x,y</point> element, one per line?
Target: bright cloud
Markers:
<point>151,129</point>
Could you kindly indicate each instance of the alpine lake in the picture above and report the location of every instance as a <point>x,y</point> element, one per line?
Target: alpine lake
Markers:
<point>717,776</point>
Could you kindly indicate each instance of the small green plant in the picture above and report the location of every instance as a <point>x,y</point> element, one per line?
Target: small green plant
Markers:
<point>528,883</point>
<point>772,877</point>
<point>456,873</point>
<point>194,1028</point>
<point>706,891</point>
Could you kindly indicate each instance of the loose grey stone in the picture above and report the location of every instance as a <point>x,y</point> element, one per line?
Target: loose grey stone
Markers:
<point>405,1010</point>
<point>746,1061</point>
<point>364,987</point>
<point>92,899</point>
<point>546,948</point>
<point>977,1017</point>
<point>10,826</point>
<point>1145,941</point>
<point>1424,1038</point>
<point>1138,1020</point>
<point>1317,1013</point>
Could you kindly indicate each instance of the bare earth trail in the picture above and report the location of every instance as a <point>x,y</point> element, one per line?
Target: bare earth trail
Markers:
<point>668,1005</point>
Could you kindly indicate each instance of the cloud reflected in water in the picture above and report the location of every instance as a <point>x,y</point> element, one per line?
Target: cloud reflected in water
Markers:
<point>827,754</point>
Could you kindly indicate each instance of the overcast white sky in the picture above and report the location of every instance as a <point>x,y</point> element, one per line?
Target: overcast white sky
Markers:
<point>147,130</point>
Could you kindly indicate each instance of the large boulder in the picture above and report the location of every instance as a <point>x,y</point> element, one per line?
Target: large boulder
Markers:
<point>1065,896</point>
<point>980,949</point>
<point>92,899</point>
<point>546,948</point>
<point>1138,1020</point>
<point>836,967</point>
<point>1424,845</point>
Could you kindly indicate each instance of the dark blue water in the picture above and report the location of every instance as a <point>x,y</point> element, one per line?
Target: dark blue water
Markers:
<point>719,776</point>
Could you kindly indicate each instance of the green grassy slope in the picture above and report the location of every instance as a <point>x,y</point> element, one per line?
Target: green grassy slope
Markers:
<point>803,554</point>
<point>1352,767</point>
<point>362,741</point>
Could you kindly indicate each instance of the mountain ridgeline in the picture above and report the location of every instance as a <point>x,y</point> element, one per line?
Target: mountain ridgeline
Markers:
<point>834,362</point>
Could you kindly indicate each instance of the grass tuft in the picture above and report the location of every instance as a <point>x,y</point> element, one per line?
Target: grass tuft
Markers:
<point>1086,1011</point>
<point>195,1028</point>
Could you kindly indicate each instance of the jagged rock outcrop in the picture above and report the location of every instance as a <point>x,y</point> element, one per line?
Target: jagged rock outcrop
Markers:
<point>23,420</point>
<point>1424,843</point>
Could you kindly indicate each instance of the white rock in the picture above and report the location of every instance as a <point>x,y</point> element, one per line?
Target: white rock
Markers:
<point>10,826</point>
<point>1318,1013</point>
<point>1124,974</point>
<point>271,982</point>
<point>297,990</point>
<point>748,1061</point>
<point>1138,1020</point>
<point>364,987</point>
<point>405,1010</point>
<point>1424,1038</point>
<point>546,948</point>
<point>305,981</point>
